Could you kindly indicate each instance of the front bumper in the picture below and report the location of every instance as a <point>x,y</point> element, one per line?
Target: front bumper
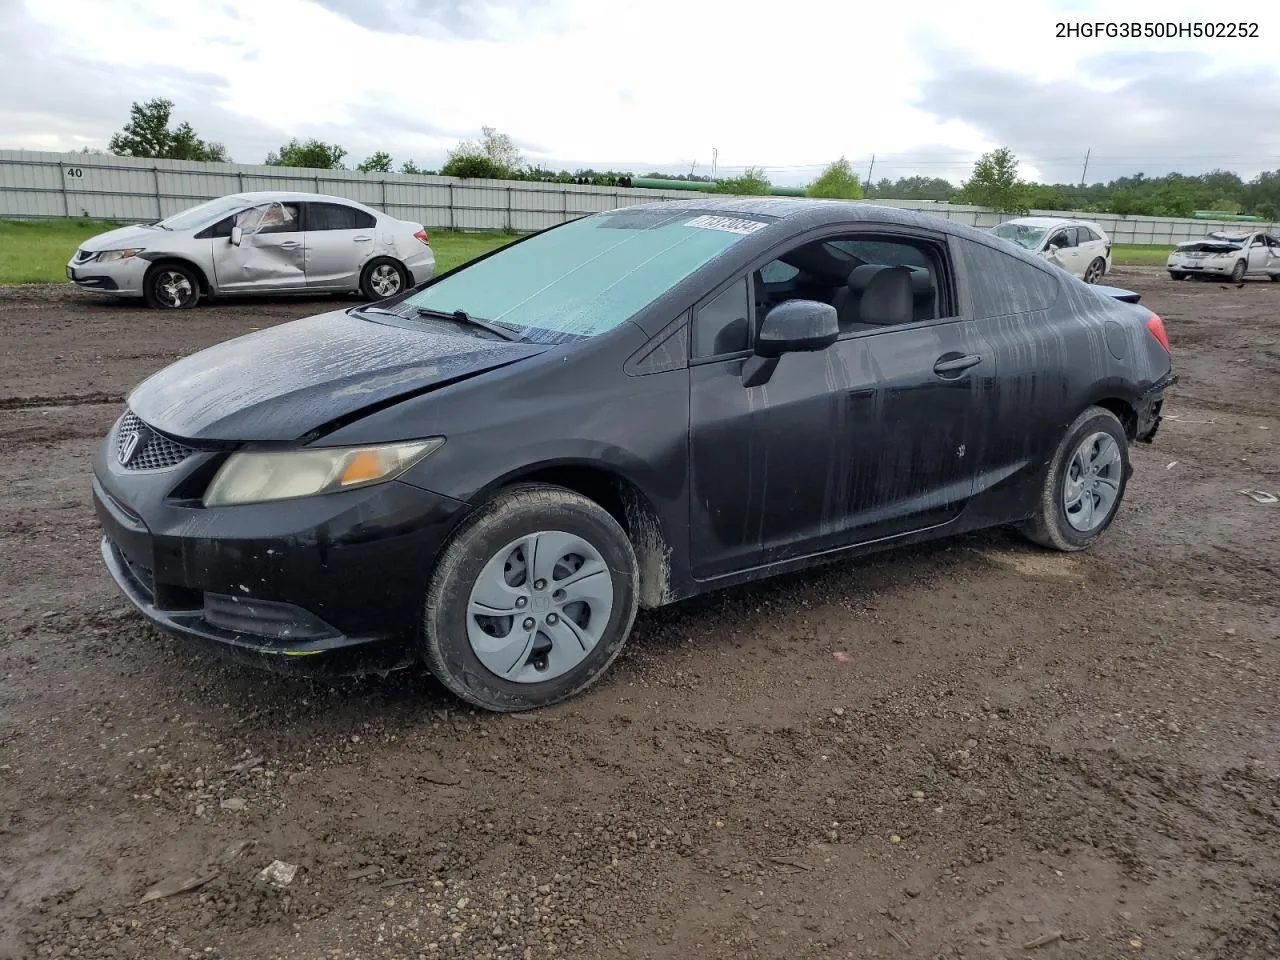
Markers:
<point>1215,266</point>
<point>329,584</point>
<point>122,278</point>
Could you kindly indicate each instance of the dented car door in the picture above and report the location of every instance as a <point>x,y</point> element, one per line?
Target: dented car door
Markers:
<point>271,252</point>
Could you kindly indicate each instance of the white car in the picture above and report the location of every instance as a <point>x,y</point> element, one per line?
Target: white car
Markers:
<point>1234,255</point>
<point>257,243</point>
<point>1080,247</point>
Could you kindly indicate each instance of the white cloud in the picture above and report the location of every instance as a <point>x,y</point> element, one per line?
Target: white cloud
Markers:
<point>788,88</point>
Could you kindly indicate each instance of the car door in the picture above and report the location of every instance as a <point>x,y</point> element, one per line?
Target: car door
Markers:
<point>270,254</point>
<point>872,438</point>
<point>339,241</point>
<point>1064,250</point>
<point>1259,253</point>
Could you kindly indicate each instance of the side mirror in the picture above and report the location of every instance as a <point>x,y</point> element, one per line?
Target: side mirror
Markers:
<point>798,326</point>
<point>236,236</point>
<point>795,326</point>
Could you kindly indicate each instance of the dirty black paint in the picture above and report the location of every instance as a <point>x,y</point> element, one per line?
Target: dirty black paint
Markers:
<point>889,436</point>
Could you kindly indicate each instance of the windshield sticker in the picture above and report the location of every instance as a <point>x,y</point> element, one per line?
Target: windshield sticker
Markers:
<point>727,224</point>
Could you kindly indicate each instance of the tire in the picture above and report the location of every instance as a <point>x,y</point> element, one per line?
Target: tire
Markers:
<point>383,277</point>
<point>1177,275</point>
<point>171,286</point>
<point>1053,525</point>
<point>1274,277</point>
<point>1095,271</point>
<point>1238,271</point>
<point>488,550</point>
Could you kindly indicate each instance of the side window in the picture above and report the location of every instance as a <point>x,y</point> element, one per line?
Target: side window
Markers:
<point>1003,285</point>
<point>721,326</point>
<point>220,229</point>
<point>1088,234</point>
<point>1259,242</point>
<point>775,271</point>
<point>867,300</point>
<point>269,218</point>
<point>335,216</point>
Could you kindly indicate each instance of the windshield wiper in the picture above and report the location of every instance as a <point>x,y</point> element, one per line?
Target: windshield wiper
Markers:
<point>461,316</point>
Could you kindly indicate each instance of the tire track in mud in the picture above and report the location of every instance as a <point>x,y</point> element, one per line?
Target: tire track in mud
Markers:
<point>61,400</point>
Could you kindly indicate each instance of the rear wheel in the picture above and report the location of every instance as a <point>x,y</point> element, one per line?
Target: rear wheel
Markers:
<point>1177,275</point>
<point>171,286</point>
<point>1275,277</point>
<point>1084,485</point>
<point>1093,273</point>
<point>382,278</point>
<point>531,601</point>
<point>1237,272</point>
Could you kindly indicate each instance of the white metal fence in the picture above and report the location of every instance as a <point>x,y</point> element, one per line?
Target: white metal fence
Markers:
<point>103,187</point>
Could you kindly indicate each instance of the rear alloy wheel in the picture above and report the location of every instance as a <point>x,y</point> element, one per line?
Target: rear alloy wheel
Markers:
<point>1237,272</point>
<point>1084,485</point>
<point>1095,270</point>
<point>171,286</point>
<point>382,278</point>
<point>531,600</point>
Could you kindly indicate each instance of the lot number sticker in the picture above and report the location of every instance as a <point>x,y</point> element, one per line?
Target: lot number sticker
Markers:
<point>726,224</point>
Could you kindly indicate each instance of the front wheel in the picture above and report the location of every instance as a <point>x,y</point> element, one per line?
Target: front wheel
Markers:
<point>1177,275</point>
<point>171,286</point>
<point>382,278</point>
<point>1275,278</point>
<point>1084,485</point>
<point>531,601</point>
<point>1237,272</point>
<point>1095,270</point>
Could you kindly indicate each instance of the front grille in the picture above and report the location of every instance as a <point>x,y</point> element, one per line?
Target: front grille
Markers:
<point>151,451</point>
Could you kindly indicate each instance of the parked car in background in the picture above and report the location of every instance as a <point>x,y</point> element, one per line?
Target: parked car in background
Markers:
<point>1234,255</point>
<point>1079,247</point>
<point>257,243</point>
<point>490,474</point>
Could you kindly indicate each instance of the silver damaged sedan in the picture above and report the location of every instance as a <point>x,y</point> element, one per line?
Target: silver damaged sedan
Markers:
<point>257,243</point>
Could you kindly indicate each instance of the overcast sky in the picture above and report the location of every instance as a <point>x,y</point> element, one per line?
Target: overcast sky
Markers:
<point>926,86</point>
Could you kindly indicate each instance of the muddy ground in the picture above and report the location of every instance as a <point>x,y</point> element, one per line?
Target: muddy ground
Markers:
<point>974,749</point>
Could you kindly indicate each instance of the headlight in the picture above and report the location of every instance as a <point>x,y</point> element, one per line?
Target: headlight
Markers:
<point>107,255</point>
<point>254,477</point>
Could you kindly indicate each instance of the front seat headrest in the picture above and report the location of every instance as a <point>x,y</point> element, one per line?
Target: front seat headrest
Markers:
<point>861,275</point>
<point>888,298</point>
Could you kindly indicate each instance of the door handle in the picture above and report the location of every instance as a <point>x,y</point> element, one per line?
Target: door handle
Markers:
<point>950,365</point>
<point>290,244</point>
<point>361,239</point>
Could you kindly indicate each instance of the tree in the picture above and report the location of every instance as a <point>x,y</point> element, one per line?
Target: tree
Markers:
<point>314,155</point>
<point>994,183</point>
<point>493,156</point>
<point>837,182</point>
<point>147,134</point>
<point>380,162</point>
<point>752,183</point>
<point>410,167</point>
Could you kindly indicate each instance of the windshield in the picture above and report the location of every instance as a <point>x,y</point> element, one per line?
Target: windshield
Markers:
<point>586,277</point>
<point>1024,236</point>
<point>198,216</point>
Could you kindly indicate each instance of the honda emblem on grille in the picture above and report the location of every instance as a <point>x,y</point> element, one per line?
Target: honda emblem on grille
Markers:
<point>128,447</point>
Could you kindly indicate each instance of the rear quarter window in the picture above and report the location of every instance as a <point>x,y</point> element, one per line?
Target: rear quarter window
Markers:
<point>1001,285</point>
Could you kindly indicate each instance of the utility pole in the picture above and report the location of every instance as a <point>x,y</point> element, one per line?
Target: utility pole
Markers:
<point>1086,165</point>
<point>714,154</point>
<point>870,168</point>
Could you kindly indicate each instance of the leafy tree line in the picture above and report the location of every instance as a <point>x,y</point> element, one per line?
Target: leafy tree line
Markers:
<point>994,181</point>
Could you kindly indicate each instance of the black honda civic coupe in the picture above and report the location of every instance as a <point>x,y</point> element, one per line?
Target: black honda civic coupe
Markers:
<point>490,473</point>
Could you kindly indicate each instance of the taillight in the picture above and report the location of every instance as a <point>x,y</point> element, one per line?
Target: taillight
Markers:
<point>1156,326</point>
<point>422,235</point>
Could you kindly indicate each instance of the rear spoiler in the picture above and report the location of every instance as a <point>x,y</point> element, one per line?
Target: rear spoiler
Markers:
<point>1115,293</point>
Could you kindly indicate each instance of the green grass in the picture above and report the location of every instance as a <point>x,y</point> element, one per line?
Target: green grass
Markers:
<point>1140,254</point>
<point>37,251</point>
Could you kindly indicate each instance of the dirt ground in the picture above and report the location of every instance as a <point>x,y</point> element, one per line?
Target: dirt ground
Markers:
<point>974,749</point>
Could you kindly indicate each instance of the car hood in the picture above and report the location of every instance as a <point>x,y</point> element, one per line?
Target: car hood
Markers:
<point>138,235</point>
<point>286,381</point>
<point>1209,246</point>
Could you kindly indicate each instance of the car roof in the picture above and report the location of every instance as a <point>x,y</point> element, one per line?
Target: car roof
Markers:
<point>1051,222</point>
<point>803,213</point>
<point>262,196</point>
